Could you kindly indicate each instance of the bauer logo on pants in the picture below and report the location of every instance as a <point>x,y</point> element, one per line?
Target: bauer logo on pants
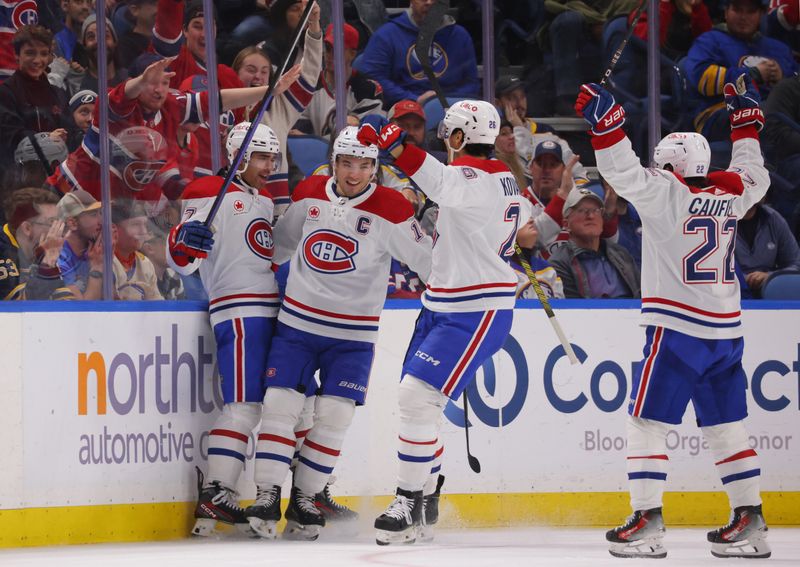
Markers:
<point>330,252</point>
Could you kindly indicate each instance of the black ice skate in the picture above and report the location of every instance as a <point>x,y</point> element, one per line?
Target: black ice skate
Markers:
<point>401,520</point>
<point>430,508</point>
<point>331,509</point>
<point>303,518</point>
<point>217,503</point>
<point>744,536</point>
<point>265,512</point>
<point>641,536</point>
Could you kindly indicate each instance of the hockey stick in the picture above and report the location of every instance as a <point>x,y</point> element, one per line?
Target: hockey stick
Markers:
<point>474,463</point>
<point>618,53</point>
<point>262,108</point>
<point>551,316</point>
<point>422,48</point>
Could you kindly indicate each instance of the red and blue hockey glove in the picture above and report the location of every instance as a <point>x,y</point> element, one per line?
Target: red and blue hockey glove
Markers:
<point>788,13</point>
<point>192,239</point>
<point>743,103</point>
<point>599,109</point>
<point>389,138</point>
<point>377,122</point>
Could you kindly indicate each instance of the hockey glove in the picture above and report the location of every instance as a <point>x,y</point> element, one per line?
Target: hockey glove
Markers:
<point>788,13</point>
<point>193,239</point>
<point>599,109</point>
<point>377,122</point>
<point>743,103</point>
<point>389,138</point>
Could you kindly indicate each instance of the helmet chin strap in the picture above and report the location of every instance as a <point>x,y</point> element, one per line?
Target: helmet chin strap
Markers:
<point>451,151</point>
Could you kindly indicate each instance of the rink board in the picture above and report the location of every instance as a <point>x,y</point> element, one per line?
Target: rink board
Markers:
<point>106,414</point>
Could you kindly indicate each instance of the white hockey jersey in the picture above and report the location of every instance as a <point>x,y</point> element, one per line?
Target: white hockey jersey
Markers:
<point>480,210</point>
<point>688,278</point>
<point>237,274</point>
<point>341,251</point>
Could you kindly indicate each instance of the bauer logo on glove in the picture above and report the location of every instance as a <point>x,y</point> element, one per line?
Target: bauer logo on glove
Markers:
<point>599,109</point>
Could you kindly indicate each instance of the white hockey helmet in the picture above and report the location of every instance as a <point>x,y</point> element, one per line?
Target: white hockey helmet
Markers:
<point>477,119</point>
<point>687,153</point>
<point>347,144</point>
<point>53,149</point>
<point>264,140</point>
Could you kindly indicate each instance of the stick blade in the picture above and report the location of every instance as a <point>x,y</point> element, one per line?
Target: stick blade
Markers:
<point>474,463</point>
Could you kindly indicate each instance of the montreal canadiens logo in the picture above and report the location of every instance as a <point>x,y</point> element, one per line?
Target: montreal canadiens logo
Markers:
<point>259,238</point>
<point>330,252</point>
<point>138,174</point>
<point>25,14</point>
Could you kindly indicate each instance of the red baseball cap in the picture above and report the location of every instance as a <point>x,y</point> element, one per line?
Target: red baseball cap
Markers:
<point>403,107</point>
<point>350,36</point>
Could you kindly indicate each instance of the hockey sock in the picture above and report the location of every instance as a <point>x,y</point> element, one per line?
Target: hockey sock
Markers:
<point>737,463</point>
<point>318,456</point>
<point>421,407</point>
<point>436,467</point>
<point>647,462</point>
<point>302,427</point>
<point>276,440</point>
<point>227,442</point>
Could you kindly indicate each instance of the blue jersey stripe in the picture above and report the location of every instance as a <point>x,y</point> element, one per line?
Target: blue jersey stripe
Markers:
<point>646,474</point>
<point>316,466</point>
<point>470,297</point>
<point>310,319</point>
<point>413,459</point>
<point>691,319</point>
<point>741,476</point>
<point>245,304</point>
<point>225,453</point>
<point>274,457</point>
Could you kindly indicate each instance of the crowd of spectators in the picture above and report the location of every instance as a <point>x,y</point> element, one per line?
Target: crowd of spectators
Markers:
<point>583,241</point>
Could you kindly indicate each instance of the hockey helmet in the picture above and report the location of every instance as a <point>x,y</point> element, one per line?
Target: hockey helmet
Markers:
<point>137,155</point>
<point>347,144</point>
<point>264,141</point>
<point>687,153</point>
<point>477,119</point>
<point>54,149</point>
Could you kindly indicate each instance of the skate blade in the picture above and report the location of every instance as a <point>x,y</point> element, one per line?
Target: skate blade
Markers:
<point>645,549</point>
<point>407,536</point>
<point>266,529</point>
<point>749,549</point>
<point>205,527</point>
<point>298,532</point>
<point>425,533</point>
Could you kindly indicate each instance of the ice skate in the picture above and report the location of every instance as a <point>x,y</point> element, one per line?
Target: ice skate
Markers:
<point>303,518</point>
<point>217,503</point>
<point>331,509</point>
<point>430,510</point>
<point>744,536</point>
<point>264,514</point>
<point>400,521</point>
<point>640,536</point>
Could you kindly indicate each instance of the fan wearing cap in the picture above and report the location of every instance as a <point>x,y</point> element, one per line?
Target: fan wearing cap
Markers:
<point>589,266</point>
<point>133,272</point>
<point>512,101</point>
<point>86,52</point>
<point>364,96</point>
<point>29,246</point>
<point>341,234</point>
<point>81,259</point>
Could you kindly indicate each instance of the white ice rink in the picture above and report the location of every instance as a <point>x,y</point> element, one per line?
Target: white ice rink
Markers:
<point>465,548</point>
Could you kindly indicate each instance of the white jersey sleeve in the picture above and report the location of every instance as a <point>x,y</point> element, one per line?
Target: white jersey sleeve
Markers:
<point>288,231</point>
<point>404,245</point>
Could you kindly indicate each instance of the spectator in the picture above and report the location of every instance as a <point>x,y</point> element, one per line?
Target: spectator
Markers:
<point>679,23</point>
<point>781,145</point>
<point>719,56</point>
<point>363,95</point>
<point>134,274</point>
<point>28,102</point>
<point>764,244</point>
<point>135,42</point>
<point>390,59</point>
<point>75,12</point>
<point>547,169</point>
<point>410,116</point>
<point>589,266</point>
<point>170,285</point>
<point>29,247</point>
<point>81,111</point>
<point>783,23</point>
<point>284,17</point>
<point>81,257</point>
<point>505,149</point>
<point>115,72</point>
<point>253,67</point>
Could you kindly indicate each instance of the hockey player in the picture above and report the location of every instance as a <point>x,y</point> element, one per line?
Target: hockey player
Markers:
<point>691,310</point>
<point>341,233</point>
<point>468,305</point>
<point>236,272</point>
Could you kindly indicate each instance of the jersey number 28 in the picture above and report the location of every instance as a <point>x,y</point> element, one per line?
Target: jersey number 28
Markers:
<point>715,232</point>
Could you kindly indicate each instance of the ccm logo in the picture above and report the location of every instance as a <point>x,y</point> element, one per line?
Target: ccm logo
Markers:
<point>427,358</point>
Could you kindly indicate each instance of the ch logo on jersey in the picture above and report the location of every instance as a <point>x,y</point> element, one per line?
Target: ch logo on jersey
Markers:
<point>138,174</point>
<point>330,252</point>
<point>438,59</point>
<point>259,238</point>
<point>469,173</point>
<point>313,213</point>
<point>238,206</point>
<point>25,14</point>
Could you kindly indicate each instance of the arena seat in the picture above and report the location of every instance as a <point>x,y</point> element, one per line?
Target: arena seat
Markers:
<point>308,152</point>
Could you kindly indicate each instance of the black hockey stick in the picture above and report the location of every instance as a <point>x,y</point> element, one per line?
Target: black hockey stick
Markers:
<point>262,108</point>
<point>618,53</point>
<point>474,463</point>
<point>422,48</point>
